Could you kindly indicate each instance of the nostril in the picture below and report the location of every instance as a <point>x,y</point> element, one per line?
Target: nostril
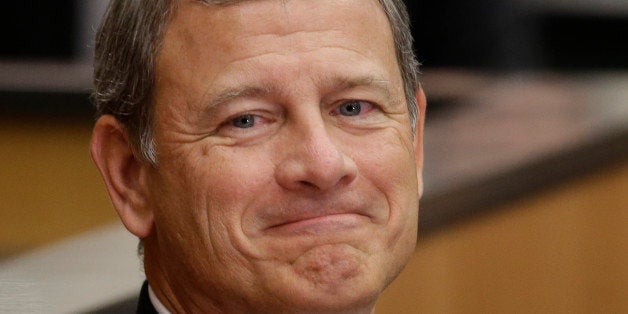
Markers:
<point>307,183</point>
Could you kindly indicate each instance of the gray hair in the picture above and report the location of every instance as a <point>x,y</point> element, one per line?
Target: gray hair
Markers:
<point>128,43</point>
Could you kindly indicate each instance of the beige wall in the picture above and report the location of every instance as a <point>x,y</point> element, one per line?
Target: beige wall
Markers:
<point>565,251</point>
<point>49,188</point>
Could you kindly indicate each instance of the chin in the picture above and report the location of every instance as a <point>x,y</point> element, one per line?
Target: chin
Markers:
<point>350,301</point>
<point>331,279</point>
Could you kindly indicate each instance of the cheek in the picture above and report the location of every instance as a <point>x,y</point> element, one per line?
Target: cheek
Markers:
<point>200,200</point>
<point>226,183</point>
<point>388,164</point>
<point>233,177</point>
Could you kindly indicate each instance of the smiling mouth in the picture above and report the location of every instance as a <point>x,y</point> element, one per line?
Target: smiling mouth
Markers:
<point>319,225</point>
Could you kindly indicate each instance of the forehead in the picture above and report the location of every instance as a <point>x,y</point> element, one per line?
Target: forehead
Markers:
<point>271,40</point>
<point>232,27</point>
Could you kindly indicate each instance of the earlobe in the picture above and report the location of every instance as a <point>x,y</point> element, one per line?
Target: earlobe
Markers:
<point>418,136</point>
<point>124,174</point>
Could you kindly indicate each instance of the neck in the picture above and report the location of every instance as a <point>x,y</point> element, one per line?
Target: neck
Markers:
<point>176,294</point>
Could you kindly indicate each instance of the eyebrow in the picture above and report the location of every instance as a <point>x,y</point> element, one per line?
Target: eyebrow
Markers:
<point>334,84</point>
<point>230,94</point>
<point>345,83</point>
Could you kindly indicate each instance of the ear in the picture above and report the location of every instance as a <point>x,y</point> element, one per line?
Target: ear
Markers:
<point>124,174</point>
<point>418,136</point>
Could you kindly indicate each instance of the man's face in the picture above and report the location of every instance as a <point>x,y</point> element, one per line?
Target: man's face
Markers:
<point>287,174</point>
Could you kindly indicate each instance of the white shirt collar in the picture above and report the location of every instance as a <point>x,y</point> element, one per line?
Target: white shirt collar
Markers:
<point>159,307</point>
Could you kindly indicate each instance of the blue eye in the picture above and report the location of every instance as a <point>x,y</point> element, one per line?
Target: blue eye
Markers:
<point>351,108</point>
<point>244,122</point>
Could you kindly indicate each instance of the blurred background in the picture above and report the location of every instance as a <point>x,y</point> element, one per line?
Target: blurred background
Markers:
<point>526,201</point>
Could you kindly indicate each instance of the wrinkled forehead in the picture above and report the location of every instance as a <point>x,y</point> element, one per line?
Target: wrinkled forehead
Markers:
<point>382,13</point>
<point>234,2</point>
<point>362,24</point>
<point>230,2</point>
<point>376,5</point>
<point>317,37</point>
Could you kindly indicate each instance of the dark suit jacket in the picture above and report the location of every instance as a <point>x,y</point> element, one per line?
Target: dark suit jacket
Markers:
<point>144,306</point>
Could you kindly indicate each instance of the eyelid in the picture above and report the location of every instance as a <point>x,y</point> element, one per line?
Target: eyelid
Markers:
<point>250,118</point>
<point>229,120</point>
<point>264,121</point>
<point>225,113</point>
<point>369,106</point>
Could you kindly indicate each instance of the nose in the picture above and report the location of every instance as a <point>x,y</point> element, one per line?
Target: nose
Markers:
<point>313,161</point>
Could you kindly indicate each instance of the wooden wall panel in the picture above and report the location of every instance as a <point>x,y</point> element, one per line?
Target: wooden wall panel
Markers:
<point>565,251</point>
<point>49,187</point>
